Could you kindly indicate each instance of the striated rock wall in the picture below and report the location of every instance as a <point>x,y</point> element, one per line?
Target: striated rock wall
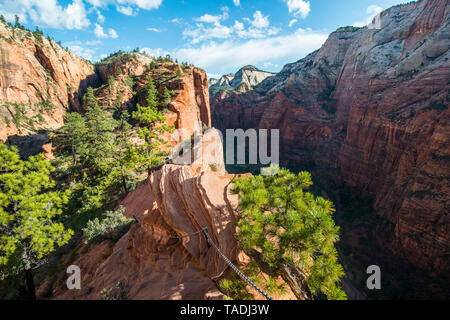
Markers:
<point>43,77</point>
<point>370,109</point>
<point>190,100</point>
<point>175,201</point>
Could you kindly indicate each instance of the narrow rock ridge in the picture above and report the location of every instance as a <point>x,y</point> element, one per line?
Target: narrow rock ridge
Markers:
<point>175,201</point>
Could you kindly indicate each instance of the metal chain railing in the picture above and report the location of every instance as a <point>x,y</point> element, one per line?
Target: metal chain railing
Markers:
<point>211,242</point>
<point>166,236</point>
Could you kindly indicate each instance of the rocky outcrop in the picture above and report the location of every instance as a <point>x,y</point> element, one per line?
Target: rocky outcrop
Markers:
<point>249,75</point>
<point>175,201</point>
<point>39,81</point>
<point>243,81</point>
<point>149,262</point>
<point>125,76</point>
<point>370,110</point>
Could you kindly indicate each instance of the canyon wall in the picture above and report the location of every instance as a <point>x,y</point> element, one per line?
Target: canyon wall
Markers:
<point>129,74</point>
<point>370,110</point>
<point>42,79</point>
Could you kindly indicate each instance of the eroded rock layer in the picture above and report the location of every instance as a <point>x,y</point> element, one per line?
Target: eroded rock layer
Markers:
<point>41,78</point>
<point>175,201</point>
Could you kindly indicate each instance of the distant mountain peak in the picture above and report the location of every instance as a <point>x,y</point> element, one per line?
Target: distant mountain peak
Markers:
<point>244,80</point>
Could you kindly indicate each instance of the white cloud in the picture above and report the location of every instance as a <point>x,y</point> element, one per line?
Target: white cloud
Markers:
<point>127,7</point>
<point>143,4</point>
<point>154,29</point>
<point>100,17</point>
<point>208,18</point>
<point>79,43</point>
<point>202,33</point>
<point>237,3</point>
<point>231,55</point>
<point>299,7</point>
<point>214,76</point>
<point>372,11</point>
<point>126,10</point>
<point>259,20</point>
<point>99,32</point>
<point>86,53</point>
<point>293,21</point>
<point>211,27</point>
<point>155,52</point>
<point>113,34</point>
<point>47,13</point>
<point>269,65</point>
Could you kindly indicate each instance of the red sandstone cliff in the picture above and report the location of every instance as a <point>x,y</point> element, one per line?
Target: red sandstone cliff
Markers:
<point>40,75</point>
<point>190,99</point>
<point>370,109</point>
<point>175,201</point>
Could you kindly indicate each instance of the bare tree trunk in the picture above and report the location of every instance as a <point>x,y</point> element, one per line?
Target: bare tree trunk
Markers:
<point>124,182</point>
<point>30,284</point>
<point>296,280</point>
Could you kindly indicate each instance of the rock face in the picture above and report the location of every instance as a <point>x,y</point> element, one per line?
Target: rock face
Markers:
<point>125,76</point>
<point>148,262</point>
<point>175,201</point>
<point>370,110</point>
<point>39,81</point>
<point>244,80</point>
<point>42,79</point>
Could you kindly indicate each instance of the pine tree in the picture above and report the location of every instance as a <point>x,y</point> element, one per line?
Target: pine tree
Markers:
<point>28,208</point>
<point>125,155</point>
<point>73,134</point>
<point>179,73</point>
<point>151,94</point>
<point>17,22</point>
<point>98,145</point>
<point>288,228</point>
<point>166,98</point>
<point>152,127</point>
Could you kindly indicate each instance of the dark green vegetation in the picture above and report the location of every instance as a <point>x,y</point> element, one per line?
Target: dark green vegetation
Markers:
<point>149,116</point>
<point>30,204</point>
<point>284,227</point>
<point>17,114</point>
<point>99,159</point>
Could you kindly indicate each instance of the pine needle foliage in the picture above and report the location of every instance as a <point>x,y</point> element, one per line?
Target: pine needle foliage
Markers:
<point>29,211</point>
<point>287,225</point>
<point>152,128</point>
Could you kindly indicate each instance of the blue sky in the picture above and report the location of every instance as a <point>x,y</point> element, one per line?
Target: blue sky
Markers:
<point>218,35</point>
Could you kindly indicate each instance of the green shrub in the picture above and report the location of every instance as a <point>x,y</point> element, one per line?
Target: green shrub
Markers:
<point>112,227</point>
<point>117,292</point>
